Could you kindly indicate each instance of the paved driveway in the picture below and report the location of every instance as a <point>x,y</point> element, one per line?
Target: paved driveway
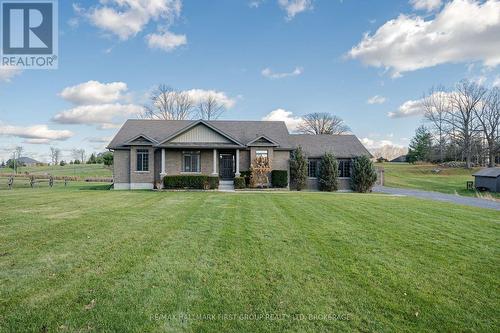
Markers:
<point>467,201</point>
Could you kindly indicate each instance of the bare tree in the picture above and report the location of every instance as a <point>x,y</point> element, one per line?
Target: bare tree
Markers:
<point>210,108</point>
<point>55,154</point>
<point>462,118</point>
<point>322,123</point>
<point>168,104</point>
<point>488,115</point>
<point>436,106</point>
<point>79,154</point>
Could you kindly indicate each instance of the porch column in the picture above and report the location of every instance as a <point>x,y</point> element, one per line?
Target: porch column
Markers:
<point>214,173</point>
<point>237,174</point>
<point>163,172</point>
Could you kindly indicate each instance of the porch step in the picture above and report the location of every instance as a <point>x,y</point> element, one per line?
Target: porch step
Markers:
<point>226,186</point>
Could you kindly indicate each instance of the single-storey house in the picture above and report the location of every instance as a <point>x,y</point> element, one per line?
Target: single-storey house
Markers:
<point>399,159</point>
<point>24,161</point>
<point>147,150</point>
<point>488,178</point>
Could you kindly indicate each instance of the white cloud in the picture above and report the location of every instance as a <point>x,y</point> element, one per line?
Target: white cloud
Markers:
<point>8,72</point>
<point>198,95</point>
<point>35,132</point>
<point>374,144</point>
<point>413,108</point>
<point>282,115</point>
<point>94,92</point>
<point>496,83</point>
<point>294,7</point>
<point>267,72</point>
<point>376,100</point>
<point>126,18</point>
<point>255,3</point>
<point>103,115</point>
<point>454,35</point>
<point>166,41</point>
<point>408,109</point>
<point>102,139</point>
<point>428,5</point>
<point>36,141</point>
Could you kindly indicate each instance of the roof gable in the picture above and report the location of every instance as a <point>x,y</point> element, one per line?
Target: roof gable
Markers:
<point>200,132</point>
<point>141,140</point>
<point>263,141</point>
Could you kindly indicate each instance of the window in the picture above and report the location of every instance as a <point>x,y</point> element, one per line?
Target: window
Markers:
<point>191,161</point>
<point>142,160</point>
<point>261,153</point>
<point>345,168</point>
<point>312,168</point>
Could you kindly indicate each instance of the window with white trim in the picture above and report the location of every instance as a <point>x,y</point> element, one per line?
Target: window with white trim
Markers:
<point>142,160</point>
<point>191,161</point>
<point>261,153</point>
<point>312,168</point>
<point>345,168</point>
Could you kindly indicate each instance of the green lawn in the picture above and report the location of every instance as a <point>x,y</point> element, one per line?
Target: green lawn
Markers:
<point>421,177</point>
<point>84,259</point>
<point>78,170</point>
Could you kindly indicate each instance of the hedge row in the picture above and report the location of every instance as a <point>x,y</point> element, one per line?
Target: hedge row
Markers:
<point>279,178</point>
<point>239,183</point>
<point>198,182</point>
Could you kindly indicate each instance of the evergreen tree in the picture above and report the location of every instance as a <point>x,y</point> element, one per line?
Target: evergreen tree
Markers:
<point>364,175</point>
<point>107,158</point>
<point>92,159</point>
<point>328,173</point>
<point>298,169</point>
<point>420,146</point>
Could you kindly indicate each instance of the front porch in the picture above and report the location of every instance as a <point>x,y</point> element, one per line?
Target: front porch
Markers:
<point>223,163</point>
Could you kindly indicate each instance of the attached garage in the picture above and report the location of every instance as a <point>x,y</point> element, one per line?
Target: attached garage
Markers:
<point>489,179</point>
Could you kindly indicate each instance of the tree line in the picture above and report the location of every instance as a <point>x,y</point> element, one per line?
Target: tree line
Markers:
<point>463,125</point>
<point>166,103</point>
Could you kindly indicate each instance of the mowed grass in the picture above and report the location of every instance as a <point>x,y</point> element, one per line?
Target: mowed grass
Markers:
<point>76,170</point>
<point>87,260</point>
<point>422,177</point>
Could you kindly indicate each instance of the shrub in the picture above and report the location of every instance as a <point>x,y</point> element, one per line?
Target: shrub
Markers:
<point>198,182</point>
<point>279,178</point>
<point>246,175</point>
<point>213,182</point>
<point>107,158</point>
<point>259,172</point>
<point>298,169</point>
<point>328,173</point>
<point>239,183</point>
<point>62,163</point>
<point>364,174</point>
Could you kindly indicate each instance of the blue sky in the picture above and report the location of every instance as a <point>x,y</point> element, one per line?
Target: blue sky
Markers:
<point>366,61</point>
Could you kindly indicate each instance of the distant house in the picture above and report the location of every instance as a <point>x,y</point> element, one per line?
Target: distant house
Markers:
<point>488,178</point>
<point>399,159</point>
<point>147,150</point>
<point>24,161</point>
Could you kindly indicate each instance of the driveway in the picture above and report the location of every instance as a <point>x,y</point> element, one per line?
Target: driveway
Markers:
<point>466,201</point>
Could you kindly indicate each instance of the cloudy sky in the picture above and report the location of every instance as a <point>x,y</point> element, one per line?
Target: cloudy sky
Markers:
<point>366,61</point>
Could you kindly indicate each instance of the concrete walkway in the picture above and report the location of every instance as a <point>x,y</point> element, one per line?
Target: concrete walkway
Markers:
<point>466,201</point>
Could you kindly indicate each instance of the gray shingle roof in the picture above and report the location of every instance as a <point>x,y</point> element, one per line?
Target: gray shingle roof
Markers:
<point>243,131</point>
<point>488,172</point>
<point>342,146</point>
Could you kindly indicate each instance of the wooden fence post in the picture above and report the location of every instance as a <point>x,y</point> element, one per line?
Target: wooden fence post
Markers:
<point>51,181</point>
<point>32,181</point>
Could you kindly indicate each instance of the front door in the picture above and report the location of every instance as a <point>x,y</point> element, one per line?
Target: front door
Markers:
<point>226,166</point>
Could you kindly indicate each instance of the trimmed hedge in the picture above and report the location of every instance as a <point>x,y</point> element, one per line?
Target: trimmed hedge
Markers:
<point>198,182</point>
<point>279,178</point>
<point>239,183</point>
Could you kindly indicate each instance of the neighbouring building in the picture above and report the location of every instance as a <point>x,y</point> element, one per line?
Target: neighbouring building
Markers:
<point>25,161</point>
<point>147,150</point>
<point>488,178</point>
